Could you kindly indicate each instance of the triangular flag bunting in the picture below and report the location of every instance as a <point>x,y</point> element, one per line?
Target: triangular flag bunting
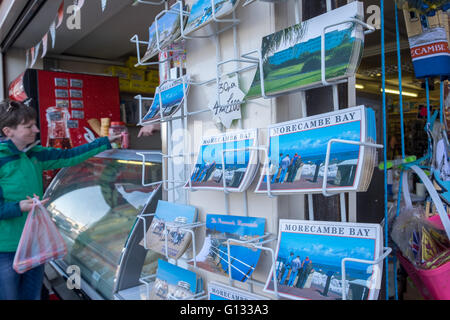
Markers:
<point>44,45</point>
<point>35,53</point>
<point>32,57</point>
<point>53,33</point>
<point>27,61</point>
<point>60,14</point>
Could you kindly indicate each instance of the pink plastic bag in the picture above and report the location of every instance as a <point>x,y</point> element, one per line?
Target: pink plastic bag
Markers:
<point>40,241</point>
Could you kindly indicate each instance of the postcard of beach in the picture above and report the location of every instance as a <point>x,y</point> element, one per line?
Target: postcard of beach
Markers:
<point>167,226</point>
<point>240,164</point>
<point>169,30</point>
<point>297,152</point>
<point>173,283</point>
<point>202,12</point>
<point>213,256</point>
<point>309,260</point>
<point>220,291</point>
<point>170,96</point>
<point>291,57</point>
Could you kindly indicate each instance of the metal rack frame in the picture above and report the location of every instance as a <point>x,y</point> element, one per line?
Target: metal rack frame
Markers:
<point>254,58</point>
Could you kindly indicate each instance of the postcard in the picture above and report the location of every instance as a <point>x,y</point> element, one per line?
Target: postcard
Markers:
<point>292,57</point>
<point>297,153</point>
<point>243,258</point>
<point>173,283</point>
<point>202,13</point>
<point>240,161</point>
<point>169,95</point>
<point>309,260</point>
<point>167,226</point>
<point>168,27</point>
<point>220,291</point>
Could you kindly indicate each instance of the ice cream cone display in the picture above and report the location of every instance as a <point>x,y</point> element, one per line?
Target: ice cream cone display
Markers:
<point>105,124</point>
<point>95,125</point>
<point>427,24</point>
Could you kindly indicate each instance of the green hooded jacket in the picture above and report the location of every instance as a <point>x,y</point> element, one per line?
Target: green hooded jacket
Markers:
<point>21,176</point>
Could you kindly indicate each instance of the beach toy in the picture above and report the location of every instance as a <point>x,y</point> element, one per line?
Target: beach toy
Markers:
<point>397,162</point>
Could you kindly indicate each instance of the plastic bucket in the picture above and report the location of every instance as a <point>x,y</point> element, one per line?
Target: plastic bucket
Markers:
<point>434,284</point>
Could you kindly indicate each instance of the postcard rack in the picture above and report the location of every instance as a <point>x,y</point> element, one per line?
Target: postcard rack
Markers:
<point>386,252</point>
<point>253,60</point>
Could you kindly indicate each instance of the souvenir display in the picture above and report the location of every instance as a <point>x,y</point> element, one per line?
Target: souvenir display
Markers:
<point>167,229</point>
<point>297,153</point>
<point>220,291</point>
<point>223,229</point>
<point>429,39</point>
<point>241,164</point>
<point>174,283</point>
<point>202,13</point>
<point>309,260</point>
<point>169,30</point>
<point>291,57</point>
<point>169,96</point>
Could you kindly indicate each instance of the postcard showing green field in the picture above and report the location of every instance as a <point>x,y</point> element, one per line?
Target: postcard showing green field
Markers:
<point>291,58</point>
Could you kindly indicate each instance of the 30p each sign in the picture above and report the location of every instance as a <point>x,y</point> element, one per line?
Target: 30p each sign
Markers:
<point>228,108</point>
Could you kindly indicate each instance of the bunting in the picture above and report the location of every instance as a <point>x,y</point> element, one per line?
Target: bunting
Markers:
<point>44,45</point>
<point>53,33</point>
<point>33,52</point>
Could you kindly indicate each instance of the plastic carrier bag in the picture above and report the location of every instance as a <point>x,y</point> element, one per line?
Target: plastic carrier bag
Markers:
<point>40,241</point>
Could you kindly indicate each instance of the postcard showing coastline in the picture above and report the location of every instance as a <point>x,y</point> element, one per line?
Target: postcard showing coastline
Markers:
<point>173,283</point>
<point>170,95</point>
<point>202,14</point>
<point>169,218</point>
<point>309,257</point>
<point>240,164</point>
<point>213,256</point>
<point>292,57</point>
<point>168,26</point>
<point>297,152</point>
<point>220,291</point>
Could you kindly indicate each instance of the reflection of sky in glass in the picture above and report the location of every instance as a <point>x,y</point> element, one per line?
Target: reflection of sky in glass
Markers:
<point>90,205</point>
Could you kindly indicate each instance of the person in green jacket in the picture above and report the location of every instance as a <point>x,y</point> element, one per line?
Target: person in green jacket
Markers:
<point>22,162</point>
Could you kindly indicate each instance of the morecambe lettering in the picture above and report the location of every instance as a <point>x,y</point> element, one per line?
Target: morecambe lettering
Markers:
<point>431,49</point>
<point>329,230</point>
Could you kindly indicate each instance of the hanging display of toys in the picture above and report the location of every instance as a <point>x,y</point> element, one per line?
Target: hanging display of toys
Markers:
<point>427,24</point>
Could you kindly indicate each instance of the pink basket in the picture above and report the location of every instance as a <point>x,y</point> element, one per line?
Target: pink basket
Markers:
<point>433,284</point>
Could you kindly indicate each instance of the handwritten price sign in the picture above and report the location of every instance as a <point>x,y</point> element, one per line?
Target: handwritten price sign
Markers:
<point>228,108</point>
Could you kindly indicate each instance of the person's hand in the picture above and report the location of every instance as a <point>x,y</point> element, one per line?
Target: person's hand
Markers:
<point>114,137</point>
<point>149,130</point>
<point>27,205</point>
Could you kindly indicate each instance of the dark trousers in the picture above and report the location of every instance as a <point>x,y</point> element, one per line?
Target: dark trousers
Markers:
<point>14,286</point>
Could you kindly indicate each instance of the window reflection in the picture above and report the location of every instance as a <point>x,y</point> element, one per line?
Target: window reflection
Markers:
<point>95,205</point>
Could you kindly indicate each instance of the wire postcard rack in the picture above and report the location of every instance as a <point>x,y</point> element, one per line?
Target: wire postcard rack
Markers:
<point>252,60</point>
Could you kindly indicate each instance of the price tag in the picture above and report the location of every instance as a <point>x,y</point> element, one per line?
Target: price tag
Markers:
<point>228,108</point>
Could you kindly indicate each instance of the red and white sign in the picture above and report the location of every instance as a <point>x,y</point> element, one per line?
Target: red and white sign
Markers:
<point>430,49</point>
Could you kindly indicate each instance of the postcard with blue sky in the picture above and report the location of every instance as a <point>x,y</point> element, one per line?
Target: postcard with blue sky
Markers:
<point>292,57</point>
<point>201,12</point>
<point>298,149</point>
<point>240,161</point>
<point>213,256</point>
<point>173,282</point>
<point>168,26</point>
<point>169,96</point>
<point>310,255</point>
